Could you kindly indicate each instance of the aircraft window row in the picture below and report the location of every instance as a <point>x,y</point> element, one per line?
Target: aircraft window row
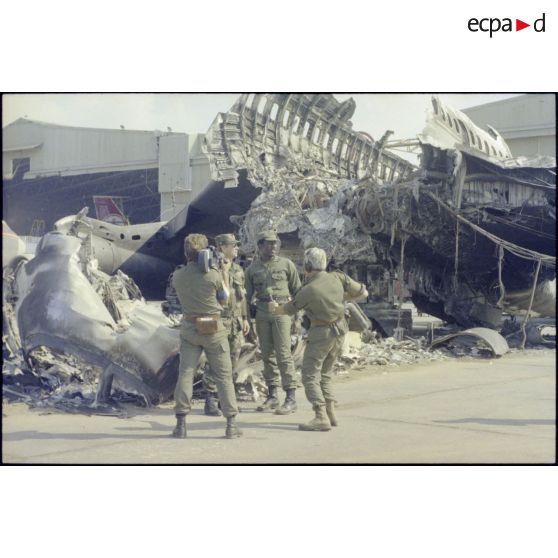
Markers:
<point>474,139</point>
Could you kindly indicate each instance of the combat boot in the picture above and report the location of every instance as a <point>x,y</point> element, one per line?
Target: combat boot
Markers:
<point>232,430</point>
<point>319,423</point>
<point>330,410</point>
<point>289,406</point>
<point>271,402</point>
<point>180,428</point>
<point>211,407</point>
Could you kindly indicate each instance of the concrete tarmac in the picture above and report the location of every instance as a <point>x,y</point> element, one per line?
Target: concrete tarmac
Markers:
<point>458,411</point>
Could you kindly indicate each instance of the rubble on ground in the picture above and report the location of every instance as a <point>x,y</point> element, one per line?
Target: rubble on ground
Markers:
<point>375,350</point>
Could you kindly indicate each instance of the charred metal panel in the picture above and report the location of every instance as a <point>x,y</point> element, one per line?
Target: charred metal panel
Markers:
<point>497,344</point>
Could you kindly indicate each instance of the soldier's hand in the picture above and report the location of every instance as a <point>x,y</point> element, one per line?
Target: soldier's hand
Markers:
<point>245,327</point>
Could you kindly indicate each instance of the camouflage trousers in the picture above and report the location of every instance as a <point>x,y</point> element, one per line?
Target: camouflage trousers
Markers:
<point>216,348</point>
<point>235,339</point>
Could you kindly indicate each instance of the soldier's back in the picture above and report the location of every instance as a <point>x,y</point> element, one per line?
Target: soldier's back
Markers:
<point>197,290</point>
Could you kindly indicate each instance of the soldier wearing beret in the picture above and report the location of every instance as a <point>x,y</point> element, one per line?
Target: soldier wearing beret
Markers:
<point>322,299</point>
<point>202,295</point>
<point>272,278</point>
<point>234,314</point>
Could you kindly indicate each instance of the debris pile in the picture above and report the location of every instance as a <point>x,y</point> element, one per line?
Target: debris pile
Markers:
<point>60,301</point>
<point>295,198</point>
<point>53,380</point>
<point>375,350</point>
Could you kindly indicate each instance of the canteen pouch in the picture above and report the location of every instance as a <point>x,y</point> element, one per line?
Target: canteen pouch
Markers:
<point>207,325</point>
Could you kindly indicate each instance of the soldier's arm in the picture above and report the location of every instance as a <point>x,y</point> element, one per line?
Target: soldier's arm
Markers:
<point>243,303</point>
<point>354,290</point>
<point>249,285</point>
<point>294,279</point>
<point>296,305</point>
<point>244,309</point>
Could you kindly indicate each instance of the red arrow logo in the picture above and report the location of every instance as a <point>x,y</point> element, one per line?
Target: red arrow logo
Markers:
<point>519,25</point>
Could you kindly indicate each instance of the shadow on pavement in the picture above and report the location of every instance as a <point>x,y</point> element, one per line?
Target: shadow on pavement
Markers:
<point>501,422</point>
<point>159,431</point>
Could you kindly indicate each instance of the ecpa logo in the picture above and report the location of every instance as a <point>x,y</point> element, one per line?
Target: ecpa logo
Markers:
<point>494,24</point>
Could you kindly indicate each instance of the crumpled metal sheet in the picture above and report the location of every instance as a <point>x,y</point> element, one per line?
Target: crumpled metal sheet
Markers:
<point>64,304</point>
<point>491,338</point>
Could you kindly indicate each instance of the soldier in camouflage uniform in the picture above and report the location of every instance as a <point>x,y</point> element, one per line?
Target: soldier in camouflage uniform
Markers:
<point>322,298</point>
<point>202,296</point>
<point>271,278</point>
<point>234,315</point>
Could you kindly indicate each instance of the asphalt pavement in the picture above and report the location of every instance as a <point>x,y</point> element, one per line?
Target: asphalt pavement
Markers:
<point>459,411</point>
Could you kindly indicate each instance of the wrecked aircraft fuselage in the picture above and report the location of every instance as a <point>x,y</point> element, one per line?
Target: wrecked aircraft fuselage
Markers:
<point>471,232</point>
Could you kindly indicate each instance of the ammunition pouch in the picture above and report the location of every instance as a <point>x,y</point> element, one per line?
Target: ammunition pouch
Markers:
<point>205,325</point>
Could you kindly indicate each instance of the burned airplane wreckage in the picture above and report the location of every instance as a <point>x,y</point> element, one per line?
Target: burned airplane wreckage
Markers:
<point>61,301</point>
<point>470,234</point>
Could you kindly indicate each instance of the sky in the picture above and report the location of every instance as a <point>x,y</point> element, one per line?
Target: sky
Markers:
<point>405,114</point>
